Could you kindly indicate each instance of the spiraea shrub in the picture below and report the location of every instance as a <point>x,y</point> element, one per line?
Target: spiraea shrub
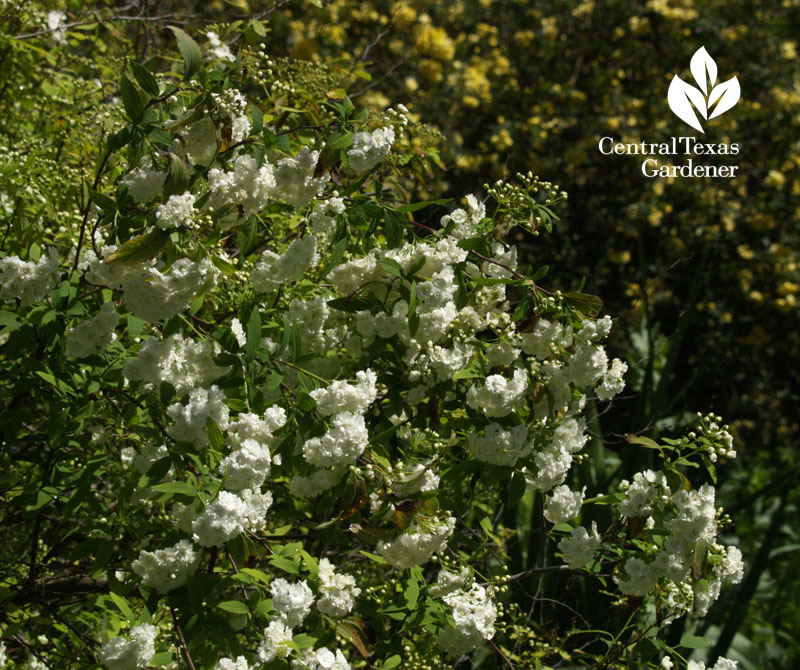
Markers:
<point>265,406</point>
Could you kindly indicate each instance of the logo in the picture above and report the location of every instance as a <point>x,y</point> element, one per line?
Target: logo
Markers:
<point>709,99</point>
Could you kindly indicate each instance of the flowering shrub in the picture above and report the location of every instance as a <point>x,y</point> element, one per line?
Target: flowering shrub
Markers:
<point>266,410</point>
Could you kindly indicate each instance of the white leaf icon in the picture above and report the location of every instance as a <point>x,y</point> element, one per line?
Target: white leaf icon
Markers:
<point>681,96</point>
<point>728,93</point>
<point>701,65</point>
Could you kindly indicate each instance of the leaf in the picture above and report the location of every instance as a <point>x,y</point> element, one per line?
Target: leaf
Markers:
<point>192,56</point>
<point>253,334</point>
<point>140,248</point>
<point>120,602</point>
<point>373,557</point>
<point>680,97</point>
<point>102,201</point>
<point>350,633</point>
<point>694,642</point>
<point>588,305</point>
<point>181,488</point>
<point>234,607</point>
<point>728,93</point>
<point>284,564</point>
<point>700,558</point>
<point>134,107</point>
<point>644,441</point>
<point>392,662</point>
<point>390,266</point>
<point>416,206</point>
<point>178,176</point>
<point>215,438</point>
<point>704,69</point>
<point>145,78</point>
<point>411,593</point>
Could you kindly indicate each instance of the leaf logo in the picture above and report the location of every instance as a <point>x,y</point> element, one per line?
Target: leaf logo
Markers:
<point>708,99</point>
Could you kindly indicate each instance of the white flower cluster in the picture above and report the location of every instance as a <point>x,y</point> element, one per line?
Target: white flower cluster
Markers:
<point>291,602</point>
<point>179,361</point>
<point>295,182</point>
<point>229,664</point>
<point>320,659</point>
<point>177,211</point>
<point>347,437</point>
<point>337,592</point>
<point>323,218</point>
<point>133,653</point>
<point>498,395</point>
<point>692,519</point>
<point>249,185</point>
<point>28,280</point>
<point>275,643</point>
<point>218,49</point>
<point>144,183</point>
<point>251,437</point>
<point>229,515</point>
<point>721,664</point>
<point>92,336</point>
<point>369,148</point>
<point>466,223</point>
<point>563,504</point>
<point>190,419</point>
<point>499,446</point>
<point>474,614</point>
<point>152,295</point>
<point>579,549</point>
<point>167,569</point>
<point>554,461</point>
<point>273,269</point>
<point>418,543</point>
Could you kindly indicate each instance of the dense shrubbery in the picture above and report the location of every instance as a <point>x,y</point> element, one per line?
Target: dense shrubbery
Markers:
<point>268,403</point>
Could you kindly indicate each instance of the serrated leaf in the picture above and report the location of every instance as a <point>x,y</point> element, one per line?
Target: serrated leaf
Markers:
<point>140,248</point>
<point>390,266</point>
<point>192,56</point>
<point>181,488</point>
<point>120,602</point>
<point>350,633</point>
<point>178,176</point>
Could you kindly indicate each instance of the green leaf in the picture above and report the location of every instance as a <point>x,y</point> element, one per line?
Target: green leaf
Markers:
<point>134,107</point>
<point>215,438</point>
<point>162,658</point>
<point>192,56</point>
<point>373,557</point>
<point>285,564</point>
<point>694,642</point>
<point>178,176</point>
<point>588,305</point>
<point>234,607</point>
<point>140,248</point>
<point>145,78</point>
<point>390,266</point>
<point>120,602</point>
<point>102,201</point>
<point>411,593</point>
<point>182,488</point>
<point>643,441</point>
<point>700,558</point>
<point>415,206</point>
<point>253,334</point>
<point>392,662</point>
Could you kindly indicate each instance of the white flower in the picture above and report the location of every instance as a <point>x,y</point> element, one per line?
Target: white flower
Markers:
<point>184,363</point>
<point>499,446</point>
<point>247,466</point>
<point>291,602</point>
<point>418,543</point>
<point>579,548</point>
<point>92,336</point>
<point>273,269</point>
<point>274,645</point>
<point>228,664</point>
<point>337,592</point>
<point>369,148</point>
<point>248,185</point>
<point>316,484</point>
<point>221,521</point>
<point>167,569</point>
<point>177,211</point>
<point>613,381</point>
<point>295,182</point>
<point>342,396</point>
<point>144,183</point>
<point>238,332</point>
<point>498,396</point>
<point>563,504</point>
<point>190,419</point>
<point>134,653</point>
<point>218,49</point>
<point>342,444</point>
<point>28,280</point>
